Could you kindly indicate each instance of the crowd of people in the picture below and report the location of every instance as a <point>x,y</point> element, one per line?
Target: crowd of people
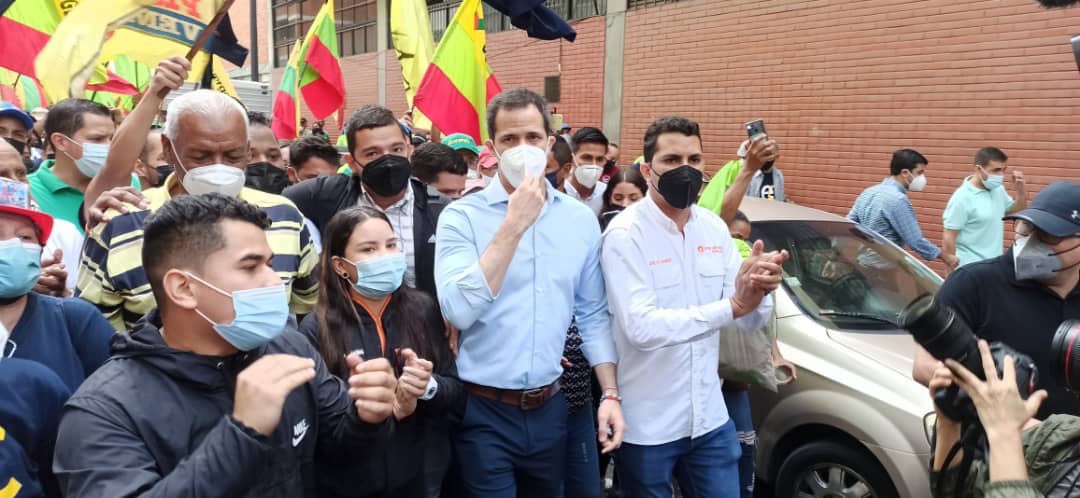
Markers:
<point>189,307</point>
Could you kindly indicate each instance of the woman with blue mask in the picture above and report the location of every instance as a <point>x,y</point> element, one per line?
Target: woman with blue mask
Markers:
<point>364,308</point>
<point>69,336</point>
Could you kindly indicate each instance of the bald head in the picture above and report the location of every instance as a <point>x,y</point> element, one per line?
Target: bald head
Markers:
<point>11,163</point>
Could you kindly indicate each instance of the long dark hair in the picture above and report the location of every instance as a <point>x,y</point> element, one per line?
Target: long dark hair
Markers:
<point>625,175</point>
<point>416,318</point>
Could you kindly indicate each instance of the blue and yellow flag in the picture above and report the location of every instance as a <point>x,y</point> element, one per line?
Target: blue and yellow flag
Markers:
<point>146,31</point>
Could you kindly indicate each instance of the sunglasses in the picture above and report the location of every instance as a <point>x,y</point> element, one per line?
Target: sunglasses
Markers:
<point>1026,229</point>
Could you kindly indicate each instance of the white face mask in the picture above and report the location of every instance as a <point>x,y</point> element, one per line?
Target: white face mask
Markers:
<point>587,174</point>
<point>472,174</point>
<point>524,160</point>
<point>918,184</point>
<point>214,178</point>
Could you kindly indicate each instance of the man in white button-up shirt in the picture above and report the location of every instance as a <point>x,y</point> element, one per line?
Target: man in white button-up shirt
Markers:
<point>590,153</point>
<point>674,279</point>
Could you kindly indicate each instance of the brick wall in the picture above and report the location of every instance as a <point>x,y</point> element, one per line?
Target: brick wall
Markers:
<point>843,84</point>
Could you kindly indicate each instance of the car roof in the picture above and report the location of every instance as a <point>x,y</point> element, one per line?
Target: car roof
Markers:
<point>768,210</point>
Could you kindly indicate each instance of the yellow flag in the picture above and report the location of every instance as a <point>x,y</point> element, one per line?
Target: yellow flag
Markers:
<point>410,28</point>
<point>147,31</point>
<point>169,27</point>
<point>220,78</point>
<point>66,62</point>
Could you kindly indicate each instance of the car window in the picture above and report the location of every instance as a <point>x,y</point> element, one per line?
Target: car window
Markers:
<point>845,276</point>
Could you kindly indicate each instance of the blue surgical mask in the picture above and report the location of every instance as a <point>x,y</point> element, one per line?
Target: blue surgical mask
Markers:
<point>20,267</point>
<point>261,315</point>
<point>379,277</point>
<point>93,158</point>
<point>993,181</point>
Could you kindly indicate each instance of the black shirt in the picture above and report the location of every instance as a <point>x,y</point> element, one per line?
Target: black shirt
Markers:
<point>768,190</point>
<point>1023,314</point>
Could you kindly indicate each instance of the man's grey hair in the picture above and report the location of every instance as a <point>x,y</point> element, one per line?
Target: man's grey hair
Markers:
<point>511,100</point>
<point>206,104</point>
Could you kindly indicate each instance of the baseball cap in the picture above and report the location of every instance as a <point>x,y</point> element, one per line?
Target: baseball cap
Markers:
<point>461,141</point>
<point>9,109</point>
<point>1055,211</point>
<point>15,199</point>
<point>565,126</point>
<point>487,159</point>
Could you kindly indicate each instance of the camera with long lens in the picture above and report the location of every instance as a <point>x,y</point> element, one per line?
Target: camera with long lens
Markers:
<point>943,333</point>
<point>1065,355</point>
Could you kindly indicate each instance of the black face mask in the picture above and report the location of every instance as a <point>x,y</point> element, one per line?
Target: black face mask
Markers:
<point>19,145</point>
<point>610,165</point>
<point>680,186</point>
<point>387,176</point>
<point>266,177</point>
<point>163,172</point>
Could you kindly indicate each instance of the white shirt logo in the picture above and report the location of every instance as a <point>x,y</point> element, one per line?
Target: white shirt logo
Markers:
<point>1076,215</point>
<point>299,431</point>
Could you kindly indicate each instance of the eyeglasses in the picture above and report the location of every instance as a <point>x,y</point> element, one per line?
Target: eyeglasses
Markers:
<point>1025,229</point>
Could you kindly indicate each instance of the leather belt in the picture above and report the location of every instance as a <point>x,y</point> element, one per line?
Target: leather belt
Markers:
<point>528,399</point>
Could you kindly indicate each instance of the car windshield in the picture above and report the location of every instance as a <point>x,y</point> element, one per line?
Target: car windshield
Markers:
<point>845,276</point>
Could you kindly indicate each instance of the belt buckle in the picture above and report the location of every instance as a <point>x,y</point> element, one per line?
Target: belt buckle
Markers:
<point>532,395</point>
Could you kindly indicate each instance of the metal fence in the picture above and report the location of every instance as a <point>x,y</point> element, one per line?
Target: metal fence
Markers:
<point>442,12</point>
<point>641,4</point>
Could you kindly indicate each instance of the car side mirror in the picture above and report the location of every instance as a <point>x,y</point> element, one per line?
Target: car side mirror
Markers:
<point>929,421</point>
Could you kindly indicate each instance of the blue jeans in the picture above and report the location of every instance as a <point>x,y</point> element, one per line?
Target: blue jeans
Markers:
<point>706,467</point>
<point>582,457</point>
<point>503,451</point>
<point>738,407</point>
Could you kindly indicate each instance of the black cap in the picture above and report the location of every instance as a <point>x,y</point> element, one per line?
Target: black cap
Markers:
<point>1055,211</point>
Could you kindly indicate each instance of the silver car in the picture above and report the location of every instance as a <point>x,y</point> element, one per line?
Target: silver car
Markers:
<point>852,424</point>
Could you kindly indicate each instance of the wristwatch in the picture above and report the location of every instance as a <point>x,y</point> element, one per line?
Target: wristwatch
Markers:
<point>432,388</point>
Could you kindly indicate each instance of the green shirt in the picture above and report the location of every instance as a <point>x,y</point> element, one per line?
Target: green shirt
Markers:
<point>713,196</point>
<point>57,198</point>
<point>1048,453</point>
<point>744,248</point>
<point>976,213</point>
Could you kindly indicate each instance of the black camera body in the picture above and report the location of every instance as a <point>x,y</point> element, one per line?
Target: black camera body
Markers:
<point>942,333</point>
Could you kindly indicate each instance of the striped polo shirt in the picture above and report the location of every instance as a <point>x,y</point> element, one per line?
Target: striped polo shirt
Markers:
<point>111,275</point>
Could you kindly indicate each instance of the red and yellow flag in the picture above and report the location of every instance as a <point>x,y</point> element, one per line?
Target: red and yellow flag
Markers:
<point>458,83</point>
<point>22,90</point>
<point>321,81</point>
<point>25,28</point>
<point>286,122</point>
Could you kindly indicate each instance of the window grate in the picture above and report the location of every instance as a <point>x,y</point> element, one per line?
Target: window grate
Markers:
<point>641,4</point>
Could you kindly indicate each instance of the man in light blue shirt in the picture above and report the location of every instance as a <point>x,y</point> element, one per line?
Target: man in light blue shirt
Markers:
<point>515,264</point>
<point>974,229</point>
<point>886,209</point>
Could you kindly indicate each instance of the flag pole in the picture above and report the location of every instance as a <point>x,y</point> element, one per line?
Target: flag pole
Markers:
<point>210,29</point>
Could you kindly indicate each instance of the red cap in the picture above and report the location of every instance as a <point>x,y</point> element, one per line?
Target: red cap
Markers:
<point>15,199</point>
<point>487,159</point>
